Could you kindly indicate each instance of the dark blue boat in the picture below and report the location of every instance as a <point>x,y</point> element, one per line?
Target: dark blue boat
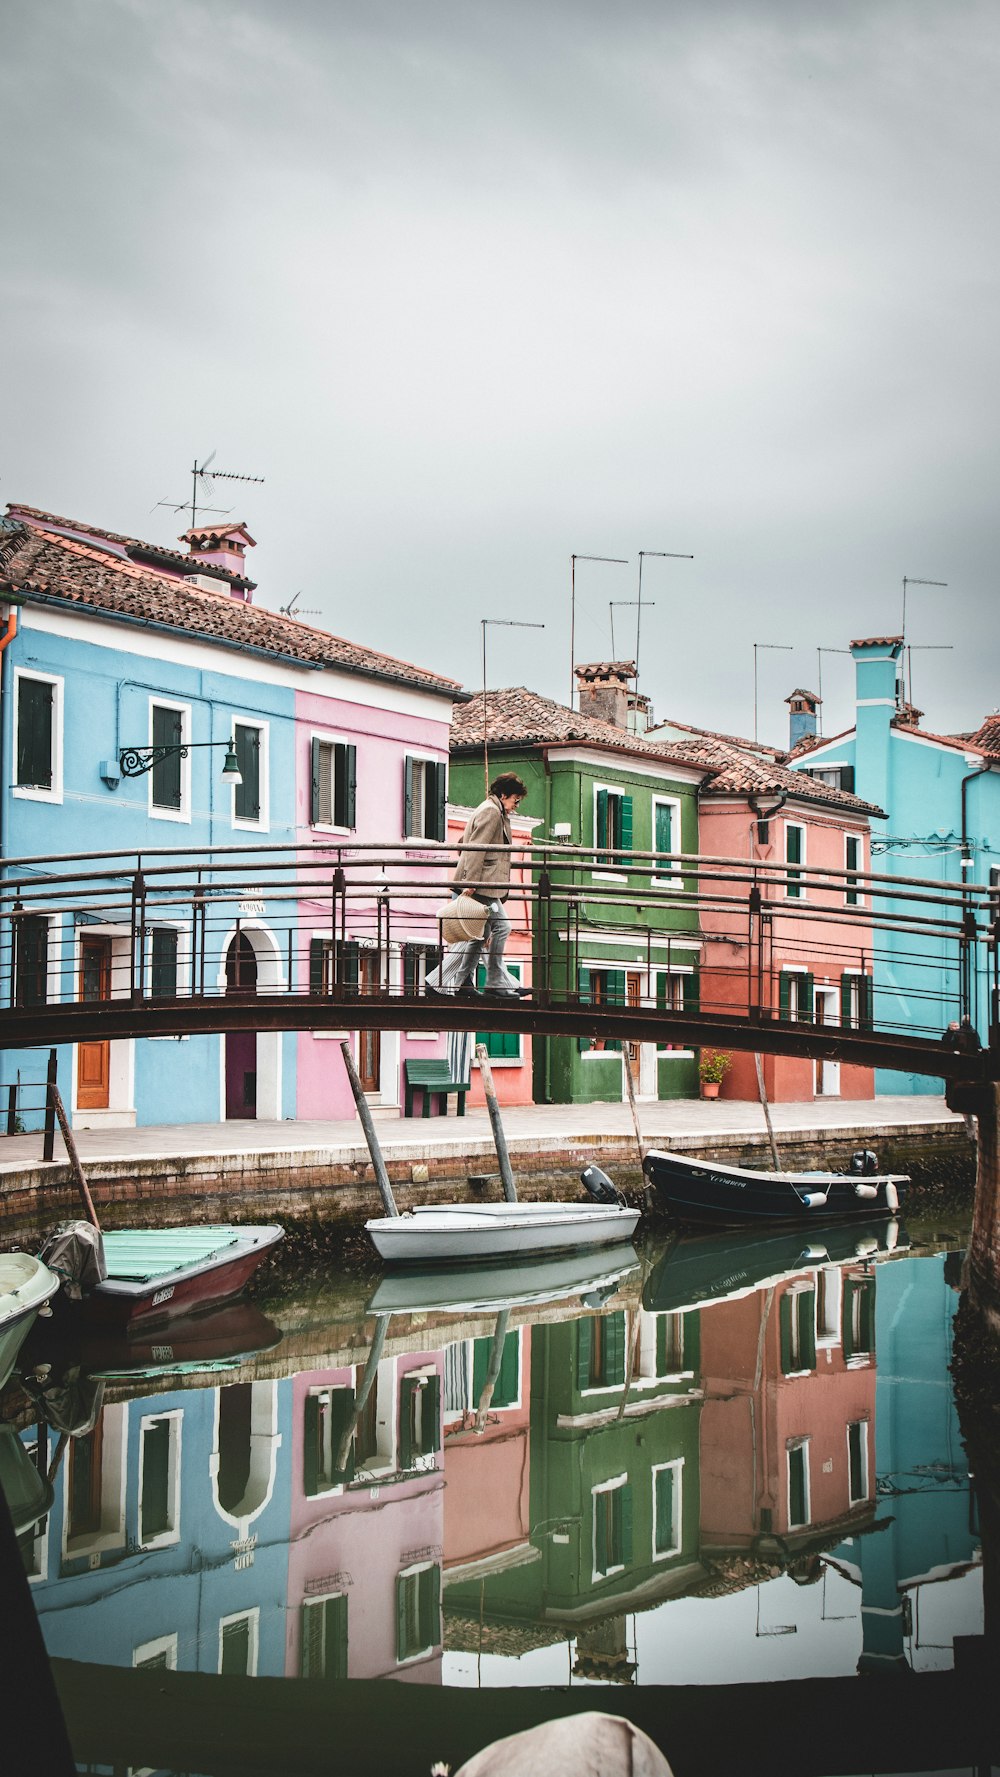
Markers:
<point>708,1192</point>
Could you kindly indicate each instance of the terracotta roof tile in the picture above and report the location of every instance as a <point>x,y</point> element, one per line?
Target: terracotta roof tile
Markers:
<point>877,641</point>
<point>519,717</point>
<point>132,546</point>
<point>74,573</point>
<point>988,735</point>
<point>735,740</point>
<point>739,773</point>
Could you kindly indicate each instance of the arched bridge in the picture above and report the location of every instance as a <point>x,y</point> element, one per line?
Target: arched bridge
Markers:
<point>638,947</point>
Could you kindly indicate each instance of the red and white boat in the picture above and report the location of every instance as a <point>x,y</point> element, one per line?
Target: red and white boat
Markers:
<point>155,1274</point>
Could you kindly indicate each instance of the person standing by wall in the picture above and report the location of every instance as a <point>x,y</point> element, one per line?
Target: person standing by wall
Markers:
<point>485,875</point>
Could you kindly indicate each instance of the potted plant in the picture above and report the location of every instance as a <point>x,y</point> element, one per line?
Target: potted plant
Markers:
<point>712,1070</point>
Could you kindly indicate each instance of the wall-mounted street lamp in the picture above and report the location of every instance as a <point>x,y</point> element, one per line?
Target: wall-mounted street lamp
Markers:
<point>136,761</point>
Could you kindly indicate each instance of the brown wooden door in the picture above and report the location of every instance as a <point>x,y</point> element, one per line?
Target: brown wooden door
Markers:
<point>633,996</point>
<point>93,1060</point>
<point>369,1041</point>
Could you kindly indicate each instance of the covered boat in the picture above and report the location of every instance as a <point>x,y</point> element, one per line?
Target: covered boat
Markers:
<point>26,1287</point>
<point>706,1191</point>
<point>441,1234</point>
<point>153,1274</point>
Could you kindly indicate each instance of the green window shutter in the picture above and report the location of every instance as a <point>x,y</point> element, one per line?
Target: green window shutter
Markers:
<point>784,995</point>
<point>407,1389</point>
<point>348,762</point>
<point>663,1507</point>
<point>430,1418</point>
<point>625,1498</point>
<point>437,800</point>
<point>34,734</point>
<point>429,1606</point>
<point>314,791</point>
<point>614,1337</point>
<point>236,1647</point>
<point>350,964</point>
<point>807,1001</point>
<point>602,1553</point>
<point>662,982</point>
<point>625,830</point>
<point>411,953</point>
<point>247,747</point>
<point>31,960</point>
<point>583,993</point>
<point>602,820</point>
<point>805,1304</point>
<point>663,840</point>
<point>408,764</point>
<point>846,1019</point>
<point>505,1387</point>
<point>312,1634</point>
<point>163,961</point>
<point>310,1444</point>
<point>855,1436</point>
<point>403,1582</point>
<point>797,1486</point>
<point>316,948</point>
<point>691,990</point>
<point>341,1414</point>
<point>793,845</point>
<point>867,1001</point>
<point>166,776</point>
<point>615,995</point>
<point>785,1327</point>
<point>584,1344</point>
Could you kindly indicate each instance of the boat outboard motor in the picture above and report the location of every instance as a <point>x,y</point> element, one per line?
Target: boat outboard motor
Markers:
<point>75,1252</point>
<point>864,1163</point>
<point>599,1185</point>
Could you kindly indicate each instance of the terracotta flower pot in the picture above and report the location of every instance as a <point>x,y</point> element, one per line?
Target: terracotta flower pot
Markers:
<point>710,1088</point>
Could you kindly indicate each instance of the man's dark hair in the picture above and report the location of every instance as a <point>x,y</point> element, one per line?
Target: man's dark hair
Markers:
<point>508,784</point>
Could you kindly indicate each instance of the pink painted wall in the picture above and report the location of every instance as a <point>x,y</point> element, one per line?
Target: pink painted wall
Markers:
<point>826,950</point>
<point>382,737</point>
<point>352,1542</point>
<point>488,1478</point>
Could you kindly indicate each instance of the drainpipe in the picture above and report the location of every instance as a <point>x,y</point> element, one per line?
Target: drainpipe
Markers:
<point>969,930</point>
<point>5,640</point>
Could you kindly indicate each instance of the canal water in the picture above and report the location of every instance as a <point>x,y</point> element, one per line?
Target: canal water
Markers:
<point>732,1460</point>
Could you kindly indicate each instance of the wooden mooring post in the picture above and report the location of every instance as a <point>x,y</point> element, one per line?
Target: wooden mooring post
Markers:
<point>499,1139</point>
<point>378,1164</point>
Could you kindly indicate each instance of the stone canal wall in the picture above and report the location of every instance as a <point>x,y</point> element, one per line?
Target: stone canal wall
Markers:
<point>335,1185</point>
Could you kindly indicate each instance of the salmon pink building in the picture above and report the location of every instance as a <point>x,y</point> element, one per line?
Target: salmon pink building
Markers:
<point>487,1455</point>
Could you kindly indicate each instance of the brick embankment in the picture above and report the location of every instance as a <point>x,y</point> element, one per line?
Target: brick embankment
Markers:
<point>321,1171</point>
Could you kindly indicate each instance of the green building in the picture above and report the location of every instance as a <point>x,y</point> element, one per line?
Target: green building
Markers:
<point>594,782</point>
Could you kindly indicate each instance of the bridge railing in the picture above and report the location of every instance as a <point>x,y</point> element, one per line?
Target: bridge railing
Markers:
<point>692,934</point>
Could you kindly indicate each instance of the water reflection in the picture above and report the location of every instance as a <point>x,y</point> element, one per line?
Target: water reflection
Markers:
<point>739,1461</point>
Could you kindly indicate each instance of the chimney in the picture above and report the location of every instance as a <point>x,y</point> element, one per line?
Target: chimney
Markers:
<point>604,690</point>
<point>802,716</point>
<point>225,547</point>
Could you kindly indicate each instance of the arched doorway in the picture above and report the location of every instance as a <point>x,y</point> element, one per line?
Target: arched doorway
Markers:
<point>241,1045</point>
<point>244,1458</point>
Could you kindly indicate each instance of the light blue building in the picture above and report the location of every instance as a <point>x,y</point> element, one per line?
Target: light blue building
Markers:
<point>941,794</point>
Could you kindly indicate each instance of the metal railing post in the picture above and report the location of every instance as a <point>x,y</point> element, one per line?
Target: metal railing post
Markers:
<point>49,1140</point>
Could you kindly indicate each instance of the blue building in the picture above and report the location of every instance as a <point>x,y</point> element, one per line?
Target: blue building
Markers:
<point>941,794</point>
<point>114,644</point>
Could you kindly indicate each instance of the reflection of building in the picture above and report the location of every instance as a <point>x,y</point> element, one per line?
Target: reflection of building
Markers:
<point>166,1543</point>
<point>925,1519</point>
<point>364,1566</point>
<point>787,1426</point>
<point>613,1490</point>
<point>487,1411</point>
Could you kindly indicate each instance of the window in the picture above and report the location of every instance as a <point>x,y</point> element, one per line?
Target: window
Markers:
<point>856,1001</point>
<point>170,778</point>
<point>419,1420</point>
<point>612,827</point>
<point>601,987</point>
<point>31,959</point>
<point>795,853</point>
<point>600,1351</point>
<point>797,1454</point>
<point>327,1439</point>
<point>38,736</point>
<point>507,1382</point>
<point>249,797</point>
<point>666,831</point>
<point>156,1656</point>
<point>796,996</point>
<point>852,861</point>
<point>837,777</point>
<point>425,788</point>
<point>612,1527</point>
<point>324,1637</point>
<point>163,962</point>
<point>500,1045</point>
<point>159,1480</point>
<point>334,784</point>
<point>797,1324</point>
<point>417,959</point>
<point>418,1612</point>
<point>334,964</point>
<point>667,1509</point>
<point>238,1645</point>
<point>859,1318</point>
<point>857,1459</point>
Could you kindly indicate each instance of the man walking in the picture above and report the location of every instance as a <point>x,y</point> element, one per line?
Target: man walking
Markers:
<point>484,874</point>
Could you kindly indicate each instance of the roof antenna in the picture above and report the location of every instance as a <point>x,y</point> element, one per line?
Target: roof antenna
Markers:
<point>201,472</point>
<point>290,611</point>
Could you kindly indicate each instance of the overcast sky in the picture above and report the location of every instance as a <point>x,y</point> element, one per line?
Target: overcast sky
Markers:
<point>476,284</point>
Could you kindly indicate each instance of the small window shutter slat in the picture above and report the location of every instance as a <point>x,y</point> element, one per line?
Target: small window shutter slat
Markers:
<point>336,1636</point>
<point>584,1340</point>
<point>314,801</point>
<point>407,797</point>
<point>350,785</point>
<point>625,1495</point>
<point>625,836</point>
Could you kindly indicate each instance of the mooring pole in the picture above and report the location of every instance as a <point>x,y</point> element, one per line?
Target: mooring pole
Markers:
<point>767,1113</point>
<point>74,1158</point>
<point>630,1086</point>
<point>492,1368</point>
<point>381,1175</point>
<point>343,1450</point>
<point>499,1139</point>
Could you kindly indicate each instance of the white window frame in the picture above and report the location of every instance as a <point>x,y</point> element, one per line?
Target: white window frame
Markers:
<point>173,1533</point>
<point>182,814</point>
<point>326,738</point>
<point>677,1465</point>
<point>161,1644</point>
<point>861,1498</point>
<point>807,1286</point>
<point>673,974</point>
<point>611,1486</point>
<point>793,972</point>
<point>251,1616</point>
<point>406,1573</point>
<point>829,1303</point>
<point>800,826</point>
<point>26,792</point>
<point>607,873</point>
<point>312,1600</point>
<point>263,822</point>
<point>858,891</point>
<point>184,957</point>
<point>675,805</point>
<point>795,1444</point>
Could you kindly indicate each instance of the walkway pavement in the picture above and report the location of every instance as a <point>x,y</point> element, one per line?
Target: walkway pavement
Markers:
<point>527,1127</point>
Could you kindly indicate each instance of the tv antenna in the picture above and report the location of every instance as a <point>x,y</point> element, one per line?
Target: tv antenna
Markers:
<point>201,472</point>
<point>290,611</point>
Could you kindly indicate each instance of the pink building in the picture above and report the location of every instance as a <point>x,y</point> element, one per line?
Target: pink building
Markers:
<point>487,1458</point>
<point>367,1523</point>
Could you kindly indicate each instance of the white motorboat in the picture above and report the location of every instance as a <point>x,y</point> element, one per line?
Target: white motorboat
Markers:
<point>449,1232</point>
<point>26,1285</point>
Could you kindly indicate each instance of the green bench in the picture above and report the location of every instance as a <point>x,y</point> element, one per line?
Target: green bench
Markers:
<point>433,1078</point>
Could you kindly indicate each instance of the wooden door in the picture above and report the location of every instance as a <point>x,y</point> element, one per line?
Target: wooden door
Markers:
<point>827,1073</point>
<point>93,1060</point>
<point>369,1041</point>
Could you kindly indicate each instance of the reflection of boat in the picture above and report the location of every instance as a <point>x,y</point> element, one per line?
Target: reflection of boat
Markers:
<point>28,1493</point>
<point>25,1287</point>
<point>719,1267</point>
<point>217,1339</point>
<point>707,1191</point>
<point>485,1232</point>
<point>156,1273</point>
<point>482,1289</point>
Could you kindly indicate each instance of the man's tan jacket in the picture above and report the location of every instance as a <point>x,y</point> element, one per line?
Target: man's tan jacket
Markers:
<point>486,873</point>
